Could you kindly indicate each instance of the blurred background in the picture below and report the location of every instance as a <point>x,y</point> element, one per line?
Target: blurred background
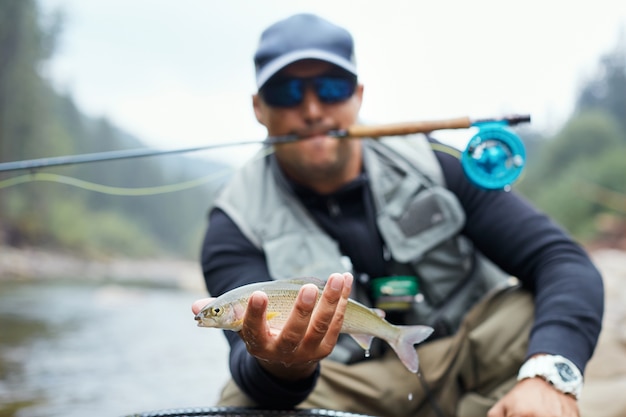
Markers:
<point>99,262</point>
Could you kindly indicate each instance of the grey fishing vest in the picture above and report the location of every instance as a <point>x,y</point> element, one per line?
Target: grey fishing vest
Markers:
<point>418,218</point>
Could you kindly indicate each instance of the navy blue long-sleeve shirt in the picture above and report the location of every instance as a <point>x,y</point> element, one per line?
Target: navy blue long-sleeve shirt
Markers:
<point>518,238</point>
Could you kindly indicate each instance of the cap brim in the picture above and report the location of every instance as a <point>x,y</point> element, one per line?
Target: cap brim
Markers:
<point>282,61</point>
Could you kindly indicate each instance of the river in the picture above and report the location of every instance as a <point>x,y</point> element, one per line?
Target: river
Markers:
<point>104,350</point>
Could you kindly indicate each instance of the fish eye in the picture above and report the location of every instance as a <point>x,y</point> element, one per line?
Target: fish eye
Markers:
<point>217,311</point>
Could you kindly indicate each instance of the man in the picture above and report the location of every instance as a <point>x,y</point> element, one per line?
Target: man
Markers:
<point>416,238</point>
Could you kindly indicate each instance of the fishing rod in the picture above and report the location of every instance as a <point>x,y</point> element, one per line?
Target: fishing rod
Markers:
<point>493,158</point>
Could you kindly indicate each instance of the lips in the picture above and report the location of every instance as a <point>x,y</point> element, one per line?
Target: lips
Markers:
<point>316,132</point>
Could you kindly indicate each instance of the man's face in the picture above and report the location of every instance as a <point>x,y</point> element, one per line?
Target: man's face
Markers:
<point>319,161</point>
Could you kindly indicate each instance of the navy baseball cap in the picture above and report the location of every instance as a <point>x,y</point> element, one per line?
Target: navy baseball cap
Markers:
<point>302,36</point>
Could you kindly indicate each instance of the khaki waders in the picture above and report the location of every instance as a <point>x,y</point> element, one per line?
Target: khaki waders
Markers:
<point>465,374</point>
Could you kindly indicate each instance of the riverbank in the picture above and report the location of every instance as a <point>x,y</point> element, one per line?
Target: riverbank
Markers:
<point>34,264</point>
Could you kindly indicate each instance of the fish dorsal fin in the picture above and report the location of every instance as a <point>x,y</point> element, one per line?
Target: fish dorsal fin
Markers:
<point>380,313</point>
<point>308,280</point>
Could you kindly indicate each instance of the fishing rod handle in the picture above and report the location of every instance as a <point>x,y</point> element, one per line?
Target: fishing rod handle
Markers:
<point>360,131</point>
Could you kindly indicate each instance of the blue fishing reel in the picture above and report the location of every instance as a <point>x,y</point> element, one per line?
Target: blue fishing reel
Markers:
<point>495,156</point>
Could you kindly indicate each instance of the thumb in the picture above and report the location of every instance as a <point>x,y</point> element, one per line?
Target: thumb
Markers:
<point>498,410</point>
<point>199,304</point>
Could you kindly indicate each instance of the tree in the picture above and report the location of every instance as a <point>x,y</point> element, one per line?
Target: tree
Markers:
<point>607,90</point>
<point>579,175</point>
<point>24,102</point>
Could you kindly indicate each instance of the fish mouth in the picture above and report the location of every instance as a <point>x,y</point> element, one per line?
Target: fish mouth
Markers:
<point>203,320</point>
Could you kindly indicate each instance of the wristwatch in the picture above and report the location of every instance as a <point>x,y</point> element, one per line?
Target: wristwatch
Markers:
<point>557,370</point>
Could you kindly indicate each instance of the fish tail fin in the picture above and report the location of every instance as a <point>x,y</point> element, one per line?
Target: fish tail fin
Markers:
<point>404,345</point>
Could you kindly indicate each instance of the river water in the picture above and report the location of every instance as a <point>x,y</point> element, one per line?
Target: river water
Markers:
<point>78,350</point>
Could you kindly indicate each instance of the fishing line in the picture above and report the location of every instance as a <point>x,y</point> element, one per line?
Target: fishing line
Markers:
<point>446,149</point>
<point>121,191</point>
<point>162,189</point>
<point>429,395</point>
<point>107,189</point>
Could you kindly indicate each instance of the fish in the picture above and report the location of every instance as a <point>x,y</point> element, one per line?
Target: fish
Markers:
<point>360,322</point>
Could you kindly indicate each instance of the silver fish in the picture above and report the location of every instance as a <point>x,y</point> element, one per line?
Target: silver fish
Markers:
<point>360,322</point>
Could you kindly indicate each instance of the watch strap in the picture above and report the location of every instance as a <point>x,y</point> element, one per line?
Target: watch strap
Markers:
<point>555,369</point>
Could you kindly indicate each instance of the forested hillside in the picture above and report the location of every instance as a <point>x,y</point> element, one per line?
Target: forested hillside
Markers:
<point>579,175</point>
<point>37,122</point>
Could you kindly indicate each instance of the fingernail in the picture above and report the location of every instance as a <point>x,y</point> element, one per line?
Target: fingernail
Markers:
<point>336,282</point>
<point>256,300</point>
<point>349,278</point>
<point>309,295</point>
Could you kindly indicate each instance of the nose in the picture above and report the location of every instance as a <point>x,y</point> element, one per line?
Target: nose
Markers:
<point>311,105</point>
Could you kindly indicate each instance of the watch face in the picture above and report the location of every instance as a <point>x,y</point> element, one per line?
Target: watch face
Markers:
<point>565,372</point>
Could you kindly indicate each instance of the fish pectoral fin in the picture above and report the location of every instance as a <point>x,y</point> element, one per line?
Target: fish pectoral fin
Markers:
<point>272,314</point>
<point>364,340</point>
<point>238,323</point>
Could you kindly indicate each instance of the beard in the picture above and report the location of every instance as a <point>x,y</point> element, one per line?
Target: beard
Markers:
<point>321,161</point>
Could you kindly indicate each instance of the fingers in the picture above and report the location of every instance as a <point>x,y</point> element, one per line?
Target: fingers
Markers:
<point>332,333</point>
<point>547,401</point>
<point>335,328</point>
<point>255,331</point>
<point>309,333</point>
<point>497,410</point>
<point>297,324</point>
<point>327,318</point>
<point>199,304</point>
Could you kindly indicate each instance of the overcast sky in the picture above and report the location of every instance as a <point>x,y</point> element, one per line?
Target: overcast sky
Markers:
<point>180,73</point>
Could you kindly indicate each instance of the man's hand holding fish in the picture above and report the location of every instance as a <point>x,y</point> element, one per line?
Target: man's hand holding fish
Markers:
<point>309,334</point>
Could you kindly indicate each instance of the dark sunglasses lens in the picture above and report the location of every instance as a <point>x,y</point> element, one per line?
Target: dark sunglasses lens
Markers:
<point>334,89</point>
<point>289,92</point>
<point>283,93</point>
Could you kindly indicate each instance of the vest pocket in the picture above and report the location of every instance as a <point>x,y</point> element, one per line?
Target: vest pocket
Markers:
<point>411,227</point>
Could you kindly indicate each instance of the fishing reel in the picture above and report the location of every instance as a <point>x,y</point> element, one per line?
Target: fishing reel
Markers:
<point>495,156</point>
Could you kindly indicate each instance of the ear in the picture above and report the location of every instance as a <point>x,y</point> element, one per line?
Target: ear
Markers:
<point>358,95</point>
<point>258,105</point>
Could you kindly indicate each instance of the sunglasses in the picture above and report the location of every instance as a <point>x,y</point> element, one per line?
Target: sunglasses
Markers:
<point>289,92</point>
